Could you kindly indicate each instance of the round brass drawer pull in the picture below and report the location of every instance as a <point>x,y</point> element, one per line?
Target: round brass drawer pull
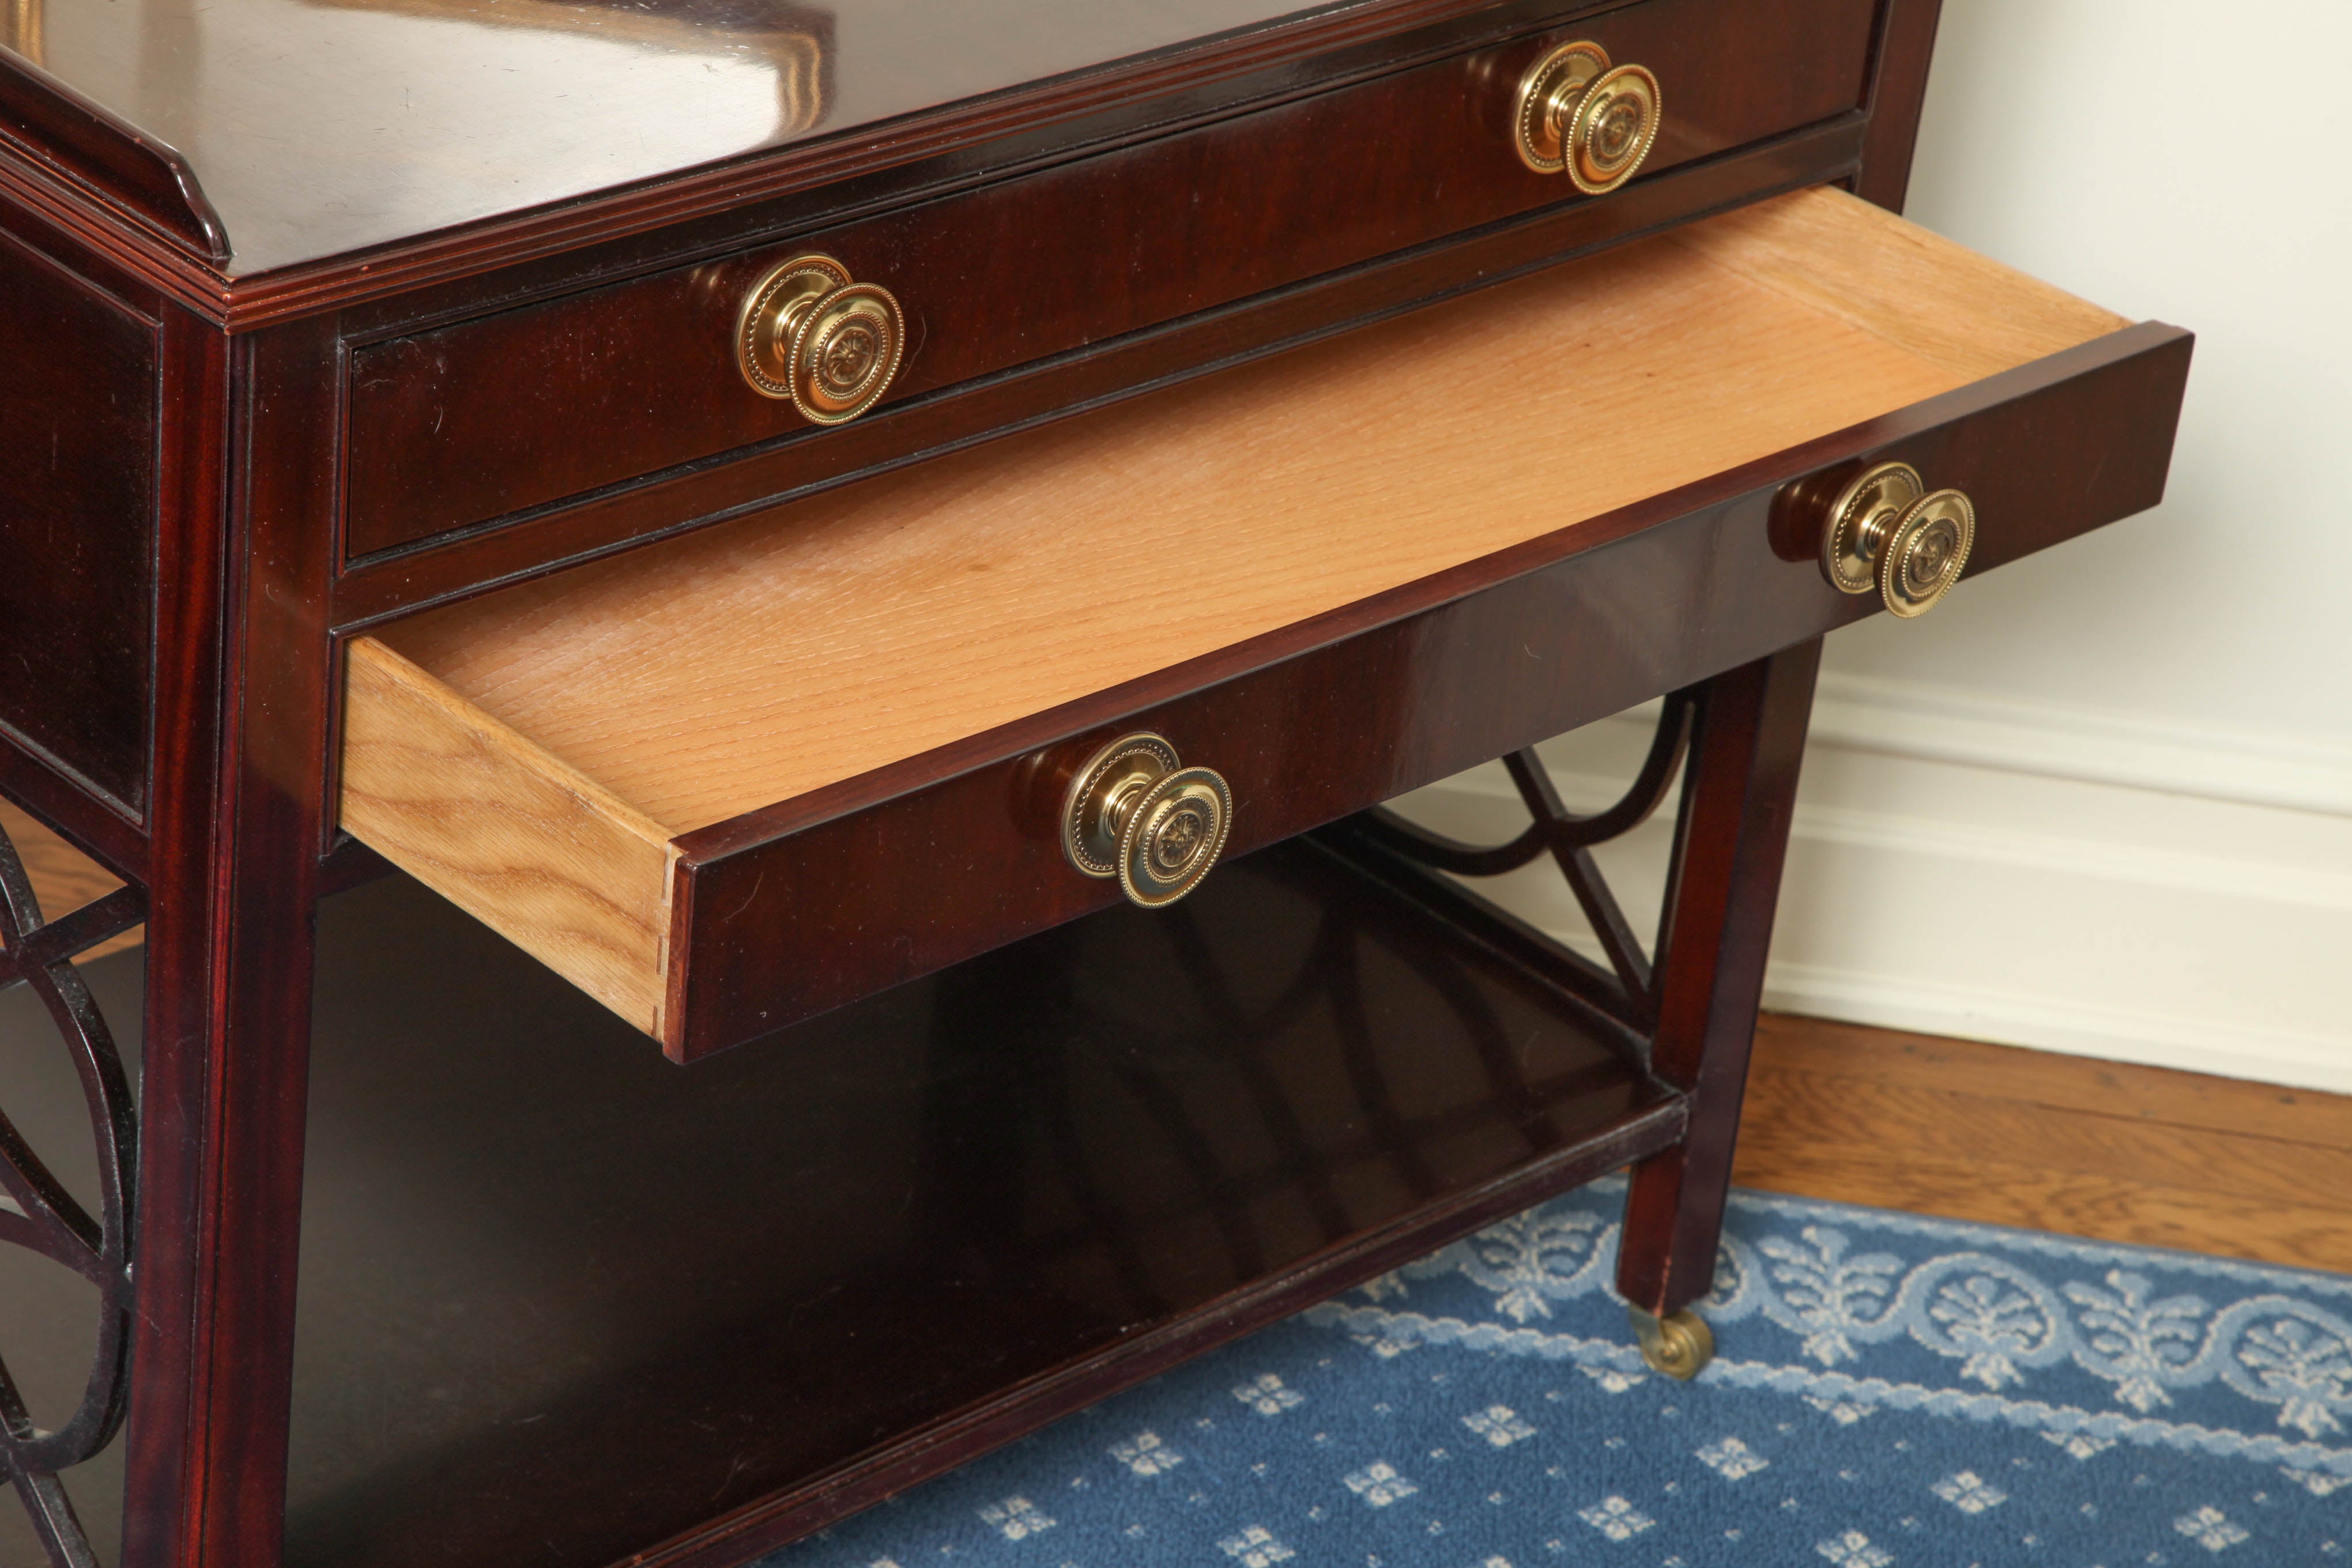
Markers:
<point>1887,530</point>
<point>1135,812</point>
<point>807,332</point>
<point>1580,116</point>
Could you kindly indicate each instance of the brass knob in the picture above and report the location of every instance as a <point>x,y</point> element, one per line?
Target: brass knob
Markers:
<point>1135,812</point>
<point>1578,115</point>
<point>807,332</point>
<point>1887,530</point>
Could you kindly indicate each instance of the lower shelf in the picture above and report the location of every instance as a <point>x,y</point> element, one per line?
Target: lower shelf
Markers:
<point>562,1303</point>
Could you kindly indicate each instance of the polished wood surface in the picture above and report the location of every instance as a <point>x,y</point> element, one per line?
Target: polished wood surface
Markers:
<point>243,689</point>
<point>60,152</point>
<point>775,909</point>
<point>1997,1135</point>
<point>78,434</point>
<point>803,463</point>
<point>1962,313</point>
<point>1898,92</point>
<point>1320,719</point>
<point>1130,1134</point>
<point>252,597</point>
<point>764,663</point>
<point>2112,1151</point>
<point>474,420</point>
<point>282,110</point>
<point>2106,1149</point>
<point>558,1295</point>
<point>561,866</point>
<point>242,176</point>
<point>758,662</point>
<point>1747,747</point>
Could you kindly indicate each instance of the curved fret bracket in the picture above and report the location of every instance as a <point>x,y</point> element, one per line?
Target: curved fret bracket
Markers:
<point>39,1214</point>
<point>1627,989</point>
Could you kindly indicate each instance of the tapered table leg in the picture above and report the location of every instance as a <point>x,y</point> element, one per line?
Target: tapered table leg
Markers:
<point>1741,787</point>
<point>244,689</point>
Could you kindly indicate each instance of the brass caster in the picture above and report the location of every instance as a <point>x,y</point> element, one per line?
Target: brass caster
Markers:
<point>1678,1345</point>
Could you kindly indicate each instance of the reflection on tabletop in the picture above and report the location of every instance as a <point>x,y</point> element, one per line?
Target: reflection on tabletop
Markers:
<point>315,128</point>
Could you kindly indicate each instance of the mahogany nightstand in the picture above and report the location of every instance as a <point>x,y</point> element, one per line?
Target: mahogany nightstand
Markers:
<point>892,561</point>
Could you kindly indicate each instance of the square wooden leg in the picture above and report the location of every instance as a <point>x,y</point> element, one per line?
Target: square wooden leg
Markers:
<point>1740,793</point>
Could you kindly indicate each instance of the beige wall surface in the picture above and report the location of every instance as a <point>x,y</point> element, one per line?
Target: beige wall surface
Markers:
<point>2116,149</point>
<point>2101,801</point>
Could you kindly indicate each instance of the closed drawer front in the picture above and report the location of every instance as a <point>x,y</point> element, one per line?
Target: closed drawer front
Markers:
<point>731,781</point>
<point>475,421</point>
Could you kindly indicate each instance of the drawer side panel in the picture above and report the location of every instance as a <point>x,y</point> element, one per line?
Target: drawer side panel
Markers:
<point>563,868</point>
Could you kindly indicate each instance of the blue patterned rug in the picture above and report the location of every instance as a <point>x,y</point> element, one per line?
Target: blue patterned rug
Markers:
<point>1887,1390</point>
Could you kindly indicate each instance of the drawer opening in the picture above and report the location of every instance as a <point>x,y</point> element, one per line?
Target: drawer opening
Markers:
<point>561,1303</point>
<point>605,763</point>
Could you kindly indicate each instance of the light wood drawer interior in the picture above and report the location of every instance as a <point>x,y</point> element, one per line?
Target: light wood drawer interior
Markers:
<point>535,754</point>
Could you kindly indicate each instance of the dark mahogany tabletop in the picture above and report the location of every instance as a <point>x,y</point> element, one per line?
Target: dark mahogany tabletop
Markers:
<point>320,127</point>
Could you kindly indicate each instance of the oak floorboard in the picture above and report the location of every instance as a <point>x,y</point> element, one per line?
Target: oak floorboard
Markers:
<point>1823,1047</point>
<point>2101,1208</point>
<point>2005,1136</point>
<point>1941,1124</point>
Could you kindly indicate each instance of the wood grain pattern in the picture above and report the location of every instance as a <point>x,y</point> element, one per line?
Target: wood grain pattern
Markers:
<point>767,474</point>
<point>564,869</point>
<point>1747,746</point>
<point>292,152</point>
<point>245,688</point>
<point>79,440</point>
<point>838,636</point>
<point>529,755</point>
<point>922,152</point>
<point>479,419</point>
<point>2006,1136</point>
<point>131,177</point>
<point>64,878</point>
<point>1907,40</point>
<point>2155,1098</point>
<point>732,1303</point>
<point>1941,301</point>
<point>781,911</point>
<point>246,668</point>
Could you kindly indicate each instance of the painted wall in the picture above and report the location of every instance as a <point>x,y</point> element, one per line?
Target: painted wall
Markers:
<point>2090,143</point>
<point>2101,801</point>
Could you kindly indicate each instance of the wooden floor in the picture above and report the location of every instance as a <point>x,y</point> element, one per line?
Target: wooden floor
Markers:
<point>2049,1143</point>
<point>1947,1127</point>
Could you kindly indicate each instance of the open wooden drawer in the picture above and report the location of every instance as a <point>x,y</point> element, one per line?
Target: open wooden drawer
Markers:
<point>736,779</point>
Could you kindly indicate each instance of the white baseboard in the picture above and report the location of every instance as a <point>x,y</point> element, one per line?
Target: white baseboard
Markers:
<point>2022,874</point>
<point>1909,719</point>
<point>2151,1039</point>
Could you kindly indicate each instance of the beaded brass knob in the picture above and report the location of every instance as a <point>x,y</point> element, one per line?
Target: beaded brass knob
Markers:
<point>1886,530</point>
<point>1135,812</point>
<point>1580,116</point>
<point>809,333</point>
